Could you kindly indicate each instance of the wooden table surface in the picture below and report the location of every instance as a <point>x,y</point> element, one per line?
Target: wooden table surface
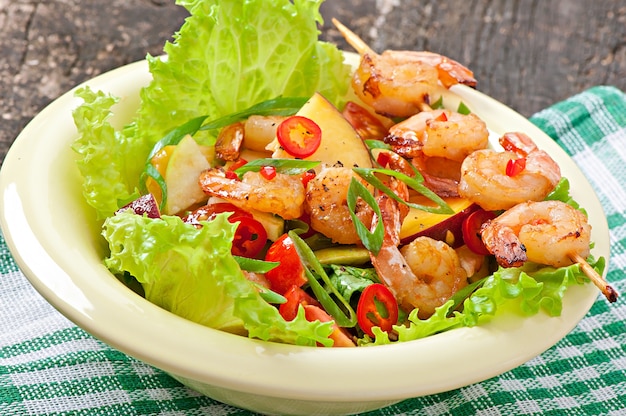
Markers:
<point>527,54</point>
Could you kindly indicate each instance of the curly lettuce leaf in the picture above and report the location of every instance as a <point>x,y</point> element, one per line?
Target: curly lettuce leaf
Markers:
<point>110,178</point>
<point>190,272</point>
<point>230,55</point>
<point>526,290</point>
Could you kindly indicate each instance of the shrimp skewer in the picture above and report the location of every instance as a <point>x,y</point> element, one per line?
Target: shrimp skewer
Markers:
<point>607,290</point>
<point>485,181</point>
<point>439,133</point>
<point>545,232</point>
<point>402,83</point>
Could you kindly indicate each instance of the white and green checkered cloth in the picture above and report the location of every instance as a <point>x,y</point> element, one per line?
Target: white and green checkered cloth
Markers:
<point>49,366</point>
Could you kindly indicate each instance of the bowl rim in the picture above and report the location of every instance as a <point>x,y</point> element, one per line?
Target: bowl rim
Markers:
<point>49,249</point>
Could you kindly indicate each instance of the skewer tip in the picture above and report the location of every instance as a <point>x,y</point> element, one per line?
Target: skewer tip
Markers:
<point>607,290</point>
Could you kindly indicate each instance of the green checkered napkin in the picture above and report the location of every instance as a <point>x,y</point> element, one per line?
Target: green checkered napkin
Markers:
<point>49,366</point>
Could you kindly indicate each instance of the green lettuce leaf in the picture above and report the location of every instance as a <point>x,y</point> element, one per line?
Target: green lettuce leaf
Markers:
<point>190,272</point>
<point>110,179</point>
<point>226,57</point>
<point>526,290</point>
<point>230,55</point>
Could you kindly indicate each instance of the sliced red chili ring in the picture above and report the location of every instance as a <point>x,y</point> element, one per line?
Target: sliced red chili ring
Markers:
<point>299,136</point>
<point>377,307</point>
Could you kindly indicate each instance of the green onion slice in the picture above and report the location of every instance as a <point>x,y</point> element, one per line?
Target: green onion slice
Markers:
<point>332,301</point>
<point>368,174</point>
<point>286,166</point>
<point>279,106</point>
<point>372,241</point>
<point>463,109</point>
<point>254,265</point>
<point>459,296</point>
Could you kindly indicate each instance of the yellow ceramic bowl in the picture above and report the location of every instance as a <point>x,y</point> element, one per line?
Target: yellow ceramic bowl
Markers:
<point>56,241</point>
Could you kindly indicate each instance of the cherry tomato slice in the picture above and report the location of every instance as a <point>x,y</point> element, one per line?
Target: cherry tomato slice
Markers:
<point>250,236</point>
<point>295,297</point>
<point>377,307</point>
<point>367,126</point>
<point>471,230</point>
<point>339,336</point>
<point>290,271</point>
<point>299,136</point>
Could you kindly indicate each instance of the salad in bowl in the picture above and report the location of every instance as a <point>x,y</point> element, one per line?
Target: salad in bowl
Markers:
<point>275,187</point>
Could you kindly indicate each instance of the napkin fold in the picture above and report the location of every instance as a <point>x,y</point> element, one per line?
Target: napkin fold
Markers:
<point>48,366</point>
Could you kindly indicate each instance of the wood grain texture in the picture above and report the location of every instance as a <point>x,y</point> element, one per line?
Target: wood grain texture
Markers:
<point>526,53</point>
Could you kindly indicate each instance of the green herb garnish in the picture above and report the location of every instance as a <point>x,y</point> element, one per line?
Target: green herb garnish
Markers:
<point>279,106</point>
<point>286,166</point>
<point>463,109</point>
<point>372,241</point>
<point>337,306</point>
<point>415,183</point>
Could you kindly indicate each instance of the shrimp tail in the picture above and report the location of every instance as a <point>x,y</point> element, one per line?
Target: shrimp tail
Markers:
<point>504,245</point>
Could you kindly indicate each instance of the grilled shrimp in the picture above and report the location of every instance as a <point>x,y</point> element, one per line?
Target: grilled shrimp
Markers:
<point>327,204</point>
<point>400,83</point>
<point>439,133</point>
<point>425,273</point>
<point>485,181</point>
<point>283,195</point>
<point>546,232</point>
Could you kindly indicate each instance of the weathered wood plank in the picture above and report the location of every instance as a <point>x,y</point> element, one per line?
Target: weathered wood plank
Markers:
<point>525,53</point>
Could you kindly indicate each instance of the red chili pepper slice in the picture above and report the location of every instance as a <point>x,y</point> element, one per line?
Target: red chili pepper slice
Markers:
<point>515,166</point>
<point>250,236</point>
<point>471,230</point>
<point>441,117</point>
<point>383,159</point>
<point>377,307</point>
<point>231,175</point>
<point>237,164</point>
<point>299,136</point>
<point>307,176</point>
<point>268,172</point>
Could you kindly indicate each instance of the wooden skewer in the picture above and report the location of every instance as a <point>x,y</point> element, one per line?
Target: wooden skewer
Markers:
<point>606,289</point>
<point>353,39</point>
